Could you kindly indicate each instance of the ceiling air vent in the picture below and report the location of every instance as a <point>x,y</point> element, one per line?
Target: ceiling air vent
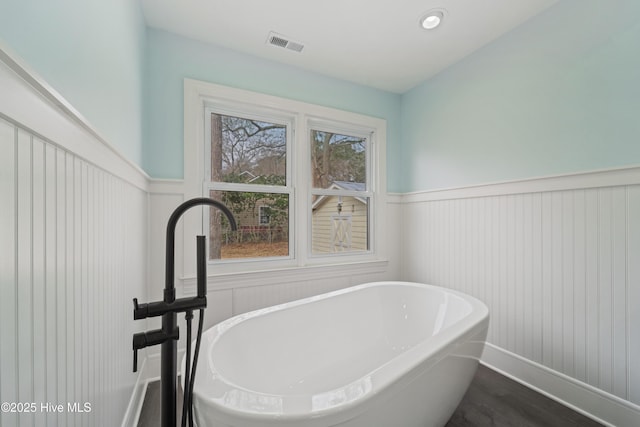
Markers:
<point>283,41</point>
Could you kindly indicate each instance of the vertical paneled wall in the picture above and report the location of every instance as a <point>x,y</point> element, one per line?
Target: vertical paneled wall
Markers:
<point>558,270</point>
<point>72,257</point>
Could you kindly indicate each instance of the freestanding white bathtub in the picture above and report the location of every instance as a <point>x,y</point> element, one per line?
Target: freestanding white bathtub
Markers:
<point>374,355</point>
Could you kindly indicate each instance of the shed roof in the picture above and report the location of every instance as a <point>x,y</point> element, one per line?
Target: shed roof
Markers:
<point>342,185</point>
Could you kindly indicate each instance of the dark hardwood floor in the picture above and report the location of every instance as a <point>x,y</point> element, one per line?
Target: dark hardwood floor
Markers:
<point>495,400</point>
<point>492,400</point>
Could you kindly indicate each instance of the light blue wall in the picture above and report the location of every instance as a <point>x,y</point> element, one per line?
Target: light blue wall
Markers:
<point>560,94</point>
<point>92,53</point>
<point>171,58</point>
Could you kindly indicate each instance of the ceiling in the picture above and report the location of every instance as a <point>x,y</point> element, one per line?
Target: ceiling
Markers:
<point>377,43</point>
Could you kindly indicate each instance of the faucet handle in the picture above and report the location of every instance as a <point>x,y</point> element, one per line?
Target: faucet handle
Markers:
<point>139,341</point>
<point>140,311</point>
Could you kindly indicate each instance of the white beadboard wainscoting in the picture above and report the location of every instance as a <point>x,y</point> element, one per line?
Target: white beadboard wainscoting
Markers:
<point>557,260</point>
<point>73,233</point>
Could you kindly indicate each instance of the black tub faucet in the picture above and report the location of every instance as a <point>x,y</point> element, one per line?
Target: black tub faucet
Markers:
<point>168,308</point>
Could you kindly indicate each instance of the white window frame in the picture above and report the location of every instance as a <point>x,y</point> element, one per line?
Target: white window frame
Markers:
<point>351,129</point>
<point>256,112</point>
<point>200,97</point>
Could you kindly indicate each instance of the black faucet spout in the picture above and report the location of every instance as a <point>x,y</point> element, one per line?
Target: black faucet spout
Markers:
<point>169,289</point>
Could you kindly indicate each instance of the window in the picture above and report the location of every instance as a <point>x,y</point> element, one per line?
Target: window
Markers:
<point>265,215</point>
<point>246,158</point>
<point>340,200</point>
<point>305,183</point>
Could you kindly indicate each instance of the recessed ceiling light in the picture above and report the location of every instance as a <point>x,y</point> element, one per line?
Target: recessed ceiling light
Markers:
<point>432,19</point>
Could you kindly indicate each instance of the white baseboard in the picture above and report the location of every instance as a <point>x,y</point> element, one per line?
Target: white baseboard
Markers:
<point>596,404</point>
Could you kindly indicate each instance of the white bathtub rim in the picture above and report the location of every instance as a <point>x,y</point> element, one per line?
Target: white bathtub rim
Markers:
<point>228,323</point>
<point>385,378</point>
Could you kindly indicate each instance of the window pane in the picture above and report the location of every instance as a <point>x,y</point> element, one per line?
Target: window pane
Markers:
<point>263,225</point>
<point>248,151</point>
<point>338,159</point>
<point>340,224</point>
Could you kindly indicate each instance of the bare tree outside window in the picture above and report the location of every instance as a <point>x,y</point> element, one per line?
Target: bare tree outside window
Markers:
<point>336,157</point>
<point>215,216</point>
<point>249,153</point>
